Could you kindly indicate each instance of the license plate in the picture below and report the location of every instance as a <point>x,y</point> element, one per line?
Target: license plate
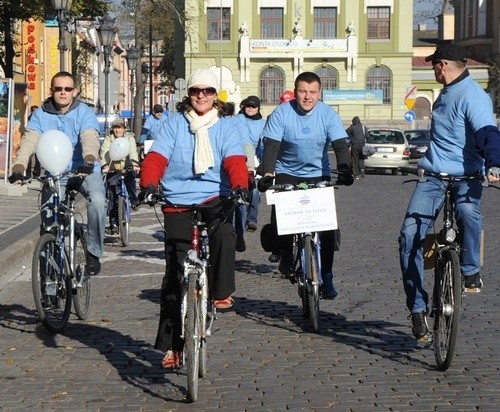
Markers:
<point>421,149</point>
<point>385,149</point>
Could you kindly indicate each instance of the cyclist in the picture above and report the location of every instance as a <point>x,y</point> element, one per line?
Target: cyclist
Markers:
<point>197,157</point>
<point>154,122</point>
<point>296,136</point>
<point>63,111</point>
<point>110,168</point>
<point>464,141</point>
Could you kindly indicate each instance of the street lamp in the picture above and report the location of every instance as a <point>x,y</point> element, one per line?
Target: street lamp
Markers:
<point>62,8</point>
<point>133,54</point>
<point>106,33</point>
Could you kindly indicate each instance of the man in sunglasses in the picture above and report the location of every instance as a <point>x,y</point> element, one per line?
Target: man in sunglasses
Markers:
<point>64,112</point>
<point>464,141</point>
<point>154,122</point>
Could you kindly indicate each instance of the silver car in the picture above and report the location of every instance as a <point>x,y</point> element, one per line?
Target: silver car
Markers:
<point>391,150</point>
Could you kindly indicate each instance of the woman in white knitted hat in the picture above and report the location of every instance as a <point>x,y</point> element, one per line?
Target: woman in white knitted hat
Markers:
<point>197,157</point>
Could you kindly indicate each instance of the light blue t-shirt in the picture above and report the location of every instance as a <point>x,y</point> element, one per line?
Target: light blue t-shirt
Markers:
<point>250,129</point>
<point>458,113</point>
<point>80,117</point>
<point>153,124</point>
<point>304,138</point>
<point>176,142</point>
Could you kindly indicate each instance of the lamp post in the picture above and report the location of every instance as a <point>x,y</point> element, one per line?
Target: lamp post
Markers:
<point>62,8</point>
<point>106,33</point>
<point>133,54</point>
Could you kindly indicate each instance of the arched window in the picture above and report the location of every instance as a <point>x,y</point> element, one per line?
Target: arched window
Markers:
<point>272,85</point>
<point>328,76</point>
<point>379,78</point>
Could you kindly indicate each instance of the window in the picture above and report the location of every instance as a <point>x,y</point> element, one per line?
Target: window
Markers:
<point>379,78</point>
<point>272,85</point>
<point>217,20</point>
<point>379,22</point>
<point>325,22</point>
<point>328,76</point>
<point>271,23</point>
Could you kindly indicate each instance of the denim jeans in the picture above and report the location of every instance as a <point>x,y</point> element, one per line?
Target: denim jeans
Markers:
<point>93,189</point>
<point>253,207</point>
<point>425,204</point>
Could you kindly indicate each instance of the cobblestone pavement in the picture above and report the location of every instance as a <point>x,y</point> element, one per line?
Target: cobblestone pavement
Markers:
<point>262,355</point>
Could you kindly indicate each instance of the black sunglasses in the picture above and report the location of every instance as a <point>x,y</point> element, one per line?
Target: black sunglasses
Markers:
<point>252,106</point>
<point>207,91</point>
<point>60,89</point>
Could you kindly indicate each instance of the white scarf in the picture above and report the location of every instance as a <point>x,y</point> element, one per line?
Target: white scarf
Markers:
<point>199,125</point>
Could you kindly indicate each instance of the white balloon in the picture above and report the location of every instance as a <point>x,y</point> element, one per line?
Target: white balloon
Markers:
<point>54,151</point>
<point>120,148</point>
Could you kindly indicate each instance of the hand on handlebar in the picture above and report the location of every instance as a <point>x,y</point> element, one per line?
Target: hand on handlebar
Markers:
<point>265,183</point>
<point>493,174</point>
<point>243,193</point>
<point>345,178</point>
<point>148,195</point>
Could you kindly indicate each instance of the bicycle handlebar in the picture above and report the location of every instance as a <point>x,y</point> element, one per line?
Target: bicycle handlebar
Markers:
<point>301,186</point>
<point>421,173</point>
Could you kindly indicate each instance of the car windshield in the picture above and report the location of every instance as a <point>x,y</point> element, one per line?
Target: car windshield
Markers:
<point>417,135</point>
<point>385,137</point>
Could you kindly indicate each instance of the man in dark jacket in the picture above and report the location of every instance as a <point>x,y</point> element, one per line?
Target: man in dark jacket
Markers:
<point>356,133</point>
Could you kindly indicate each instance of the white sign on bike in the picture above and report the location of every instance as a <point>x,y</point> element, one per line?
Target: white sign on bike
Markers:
<point>311,210</point>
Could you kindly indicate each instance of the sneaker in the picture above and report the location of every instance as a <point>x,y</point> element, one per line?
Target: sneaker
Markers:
<point>240,243</point>
<point>112,230</point>
<point>420,328</point>
<point>362,174</point>
<point>473,283</point>
<point>251,227</point>
<point>274,257</point>
<point>172,359</point>
<point>136,205</point>
<point>327,289</point>
<point>93,264</point>
<point>222,304</point>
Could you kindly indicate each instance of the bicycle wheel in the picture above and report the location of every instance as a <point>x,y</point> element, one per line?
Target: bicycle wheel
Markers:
<point>312,285</point>
<point>202,314</point>
<point>192,337</point>
<point>298,250</point>
<point>123,224</point>
<point>51,283</point>
<point>82,292</point>
<point>447,307</point>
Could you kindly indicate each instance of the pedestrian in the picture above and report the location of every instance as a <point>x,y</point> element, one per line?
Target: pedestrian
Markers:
<point>197,157</point>
<point>63,111</point>
<point>250,125</point>
<point>297,135</point>
<point>464,141</point>
<point>112,169</point>
<point>33,167</point>
<point>357,138</point>
<point>154,122</point>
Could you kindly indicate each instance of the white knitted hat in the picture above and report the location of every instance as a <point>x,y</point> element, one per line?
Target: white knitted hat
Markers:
<point>203,77</point>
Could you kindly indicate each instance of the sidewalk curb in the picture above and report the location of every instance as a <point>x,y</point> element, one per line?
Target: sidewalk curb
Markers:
<point>18,252</point>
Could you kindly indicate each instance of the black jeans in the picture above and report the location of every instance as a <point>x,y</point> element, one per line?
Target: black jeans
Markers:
<point>357,159</point>
<point>221,278</point>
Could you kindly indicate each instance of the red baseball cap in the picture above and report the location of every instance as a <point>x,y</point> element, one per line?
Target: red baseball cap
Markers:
<point>287,96</point>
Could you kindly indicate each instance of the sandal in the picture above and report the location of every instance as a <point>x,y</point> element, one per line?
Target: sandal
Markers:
<point>224,303</point>
<point>172,359</point>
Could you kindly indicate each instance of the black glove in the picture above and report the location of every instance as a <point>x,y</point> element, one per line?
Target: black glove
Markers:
<point>345,178</point>
<point>14,177</point>
<point>86,168</point>
<point>74,183</point>
<point>148,195</point>
<point>265,183</point>
<point>243,193</point>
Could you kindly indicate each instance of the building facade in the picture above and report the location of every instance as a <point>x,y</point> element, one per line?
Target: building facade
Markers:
<point>361,49</point>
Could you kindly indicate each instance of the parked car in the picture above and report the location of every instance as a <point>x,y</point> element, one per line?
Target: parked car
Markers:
<point>391,150</point>
<point>418,140</point>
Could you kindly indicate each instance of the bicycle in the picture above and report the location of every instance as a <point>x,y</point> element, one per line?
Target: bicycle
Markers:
<point>58,274</point>
<point>306,258</point>
<point>448,288</point>
<point>119,201</point>
<point>198,313</point>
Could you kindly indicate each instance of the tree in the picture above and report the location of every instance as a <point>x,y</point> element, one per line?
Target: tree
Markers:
<point>12,11</point>
<point>427,11</point>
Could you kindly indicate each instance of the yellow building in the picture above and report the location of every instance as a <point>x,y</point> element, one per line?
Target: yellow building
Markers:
<point>361,49</point>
